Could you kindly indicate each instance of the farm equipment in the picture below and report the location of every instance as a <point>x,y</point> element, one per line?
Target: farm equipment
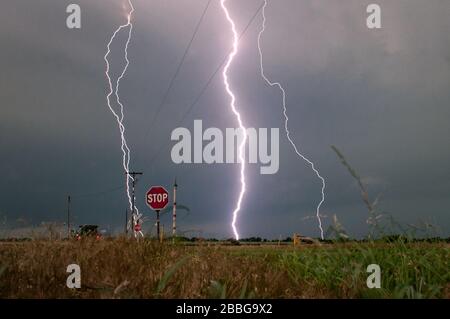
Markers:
<point>88,231</point>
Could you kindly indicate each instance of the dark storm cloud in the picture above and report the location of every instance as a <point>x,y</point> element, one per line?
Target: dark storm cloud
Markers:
<point>380,96</point>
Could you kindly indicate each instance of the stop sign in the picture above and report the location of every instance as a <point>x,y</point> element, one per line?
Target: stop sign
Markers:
<point>157,197</point>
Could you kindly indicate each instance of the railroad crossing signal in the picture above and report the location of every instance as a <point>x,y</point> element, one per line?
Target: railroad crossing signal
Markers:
<point>137,228</point>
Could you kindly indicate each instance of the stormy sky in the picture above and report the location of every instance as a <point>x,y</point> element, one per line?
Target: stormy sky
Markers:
<point>381,96</point>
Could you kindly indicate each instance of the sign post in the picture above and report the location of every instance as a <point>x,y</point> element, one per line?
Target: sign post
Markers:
<point>157,199</point>
<point>158,227</point>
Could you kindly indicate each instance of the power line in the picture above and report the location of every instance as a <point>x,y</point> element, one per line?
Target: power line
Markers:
<point>172,81</point>
<point>163,101</point>
<point>205,87</point>
<point>110,190</point>
<point>218,68</point>
<point>196,100</point>
<point>80,195</point>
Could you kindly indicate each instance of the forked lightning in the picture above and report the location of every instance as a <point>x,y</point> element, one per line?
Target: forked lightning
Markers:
<point>241,152</point>
<point>286,120</point>
<point>126,153</point>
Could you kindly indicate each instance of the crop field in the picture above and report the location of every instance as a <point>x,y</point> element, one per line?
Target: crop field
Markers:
<point>120,268</point>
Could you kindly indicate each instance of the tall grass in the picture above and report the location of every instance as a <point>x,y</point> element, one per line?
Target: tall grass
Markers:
<point>407,270</point>
<point>125,269</point>
<point>380,222</point>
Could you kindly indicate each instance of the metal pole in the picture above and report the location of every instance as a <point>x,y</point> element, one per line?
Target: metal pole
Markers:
<point>133,212</point>
<point>126,221</point>
<point>133,208</point>
<point>157,225</point>
<point>68,217</point>
<point>174,213</point>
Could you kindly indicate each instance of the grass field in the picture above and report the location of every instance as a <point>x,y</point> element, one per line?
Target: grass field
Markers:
<point>125,269</point>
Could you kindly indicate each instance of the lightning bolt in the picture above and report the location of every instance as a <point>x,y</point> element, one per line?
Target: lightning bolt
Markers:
<point>286,118</point>
<point>126,153</point>
<point>241,152</point>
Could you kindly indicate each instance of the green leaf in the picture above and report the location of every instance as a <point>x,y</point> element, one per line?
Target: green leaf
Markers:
<point>169,273</point>
<point>244,290</point>
<point>2,270</point>
<point>217,290</point>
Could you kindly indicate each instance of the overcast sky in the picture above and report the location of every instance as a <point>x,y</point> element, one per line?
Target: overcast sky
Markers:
<point>381,96</point>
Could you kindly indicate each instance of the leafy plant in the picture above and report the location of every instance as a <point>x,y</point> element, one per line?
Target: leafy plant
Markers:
<point>217,290</point>
<point>337,230</point>
<point>169,273</point>
<point>2,269</point>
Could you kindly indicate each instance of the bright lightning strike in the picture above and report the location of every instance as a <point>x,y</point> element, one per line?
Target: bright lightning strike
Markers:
<point>286,127</point>
<point>119,117</point>
<point>238,116</point>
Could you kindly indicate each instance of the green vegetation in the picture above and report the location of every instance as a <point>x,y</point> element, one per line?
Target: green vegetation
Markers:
<point>408,270</point>
<point>122,268</point>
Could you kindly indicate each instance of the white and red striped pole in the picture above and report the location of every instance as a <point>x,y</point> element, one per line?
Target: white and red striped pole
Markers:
<point>174,212</point>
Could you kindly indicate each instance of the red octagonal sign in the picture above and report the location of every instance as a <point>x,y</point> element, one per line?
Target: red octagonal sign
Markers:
<point>157,197</point>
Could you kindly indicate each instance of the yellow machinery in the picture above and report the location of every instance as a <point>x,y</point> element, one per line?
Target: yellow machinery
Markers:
<point>297,239</point>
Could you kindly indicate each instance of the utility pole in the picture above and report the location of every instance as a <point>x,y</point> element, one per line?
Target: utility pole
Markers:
<point>174,212</point>
<point>126,221</point>
<point>68,217</point>
<point>133,196</point>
